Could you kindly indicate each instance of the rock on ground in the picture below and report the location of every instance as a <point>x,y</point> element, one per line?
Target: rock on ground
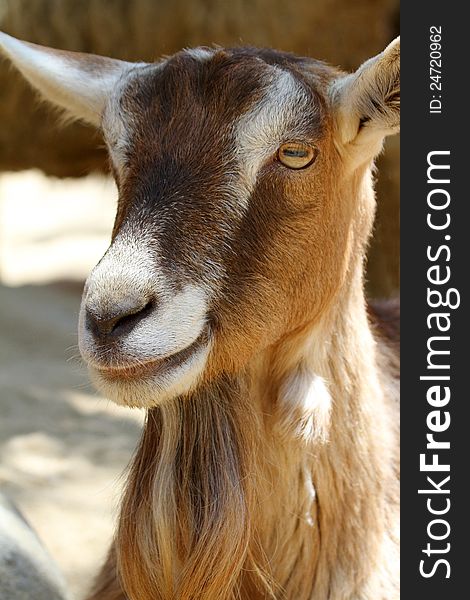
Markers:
<point>27,571</point>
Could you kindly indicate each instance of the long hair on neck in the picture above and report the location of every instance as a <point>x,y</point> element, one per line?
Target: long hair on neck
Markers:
<point>186,527</point>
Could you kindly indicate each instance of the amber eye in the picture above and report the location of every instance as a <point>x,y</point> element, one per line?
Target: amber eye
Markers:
<point>296,155</point>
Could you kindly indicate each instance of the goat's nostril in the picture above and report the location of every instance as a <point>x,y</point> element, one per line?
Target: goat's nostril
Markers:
<point>131,318</point>
<point>119,321</point>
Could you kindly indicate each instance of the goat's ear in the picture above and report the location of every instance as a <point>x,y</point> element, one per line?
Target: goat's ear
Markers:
<point>78,83</point>
<point>367,103</point>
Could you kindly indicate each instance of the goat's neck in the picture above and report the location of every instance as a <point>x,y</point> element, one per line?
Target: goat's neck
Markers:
<point>328,496</point>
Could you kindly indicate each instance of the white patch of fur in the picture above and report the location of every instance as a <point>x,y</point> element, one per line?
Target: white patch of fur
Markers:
<point>156,389</point>
<point>201,54</point>
<point>177,322</point>
<point>303,407</point>
<point>116,132</point>
<point>309,496</point>
<point>116,125</point>
<point>67,80</point>
<point>263,129</point>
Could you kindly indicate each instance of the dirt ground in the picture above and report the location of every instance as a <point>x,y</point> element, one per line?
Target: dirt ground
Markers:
<point>62,447</point>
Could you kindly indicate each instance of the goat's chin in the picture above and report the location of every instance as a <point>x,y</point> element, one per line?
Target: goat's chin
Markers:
<point>148,388</point>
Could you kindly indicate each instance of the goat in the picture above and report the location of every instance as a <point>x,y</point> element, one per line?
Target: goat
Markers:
<point>230,306</point>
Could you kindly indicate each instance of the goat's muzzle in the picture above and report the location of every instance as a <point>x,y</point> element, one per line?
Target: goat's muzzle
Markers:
<point>144,339</point>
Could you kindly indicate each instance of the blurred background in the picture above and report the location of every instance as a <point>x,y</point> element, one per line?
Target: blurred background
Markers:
<point>62,448</point>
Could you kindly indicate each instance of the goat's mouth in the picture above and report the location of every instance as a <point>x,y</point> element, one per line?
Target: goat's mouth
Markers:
<point>152,368</point>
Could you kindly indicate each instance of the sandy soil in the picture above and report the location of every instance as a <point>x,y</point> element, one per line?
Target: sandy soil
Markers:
<point>62,447</point>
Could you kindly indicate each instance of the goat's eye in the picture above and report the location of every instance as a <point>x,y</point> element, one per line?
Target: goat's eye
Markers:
<point>296,155</point>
